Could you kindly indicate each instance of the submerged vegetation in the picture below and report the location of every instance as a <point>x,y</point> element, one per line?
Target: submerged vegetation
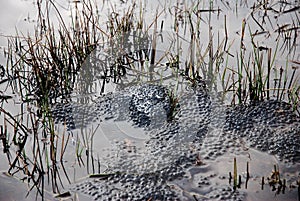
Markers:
<point>61,58</point>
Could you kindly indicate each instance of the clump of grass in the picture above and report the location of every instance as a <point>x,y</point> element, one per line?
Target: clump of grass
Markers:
<point>42,69</point>
<point>46,63</point>
<point>237,179</point>
<point>250,79</point>
<point>275,181</point>
<point>120,24</point>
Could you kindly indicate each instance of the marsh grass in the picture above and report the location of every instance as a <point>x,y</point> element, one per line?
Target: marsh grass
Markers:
<point>43,68</point>
<point>277,183</point>
<point>251,79</point>
<point>47,63</point>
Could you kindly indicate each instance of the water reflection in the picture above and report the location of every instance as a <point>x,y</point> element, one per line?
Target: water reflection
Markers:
<point>185,42</point>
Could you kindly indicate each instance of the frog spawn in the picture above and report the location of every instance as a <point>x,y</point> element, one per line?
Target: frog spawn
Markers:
<point>202,127</point>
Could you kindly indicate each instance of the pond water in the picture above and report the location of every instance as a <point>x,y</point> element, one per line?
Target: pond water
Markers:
<point>110,147</point>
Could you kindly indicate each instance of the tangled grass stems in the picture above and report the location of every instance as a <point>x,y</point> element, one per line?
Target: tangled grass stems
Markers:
<point>250,80</point>
<point>54,56</point>
<point>43,69</point>
<point>45,66</point>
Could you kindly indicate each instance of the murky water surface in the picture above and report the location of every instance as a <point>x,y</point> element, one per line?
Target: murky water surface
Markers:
<point>125,133</point>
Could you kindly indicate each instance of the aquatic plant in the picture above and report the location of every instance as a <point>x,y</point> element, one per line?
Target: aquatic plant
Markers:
<point>42,70</point>
<point>44,67</point>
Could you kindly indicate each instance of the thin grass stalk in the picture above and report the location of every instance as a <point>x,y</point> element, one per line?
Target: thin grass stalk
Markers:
<point>153,48</point>
<point>269,71</point>
<point>292,78</point>
<point>65,172</point>
<point>64,146</point>
<point>260,77</point>
<point>279,82</point>
<point>226,33</point>
<point>293,91</point>
<point>241,64</point>
<point>247,175</point>
<point>234,174</point>
<point>284,82</point>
